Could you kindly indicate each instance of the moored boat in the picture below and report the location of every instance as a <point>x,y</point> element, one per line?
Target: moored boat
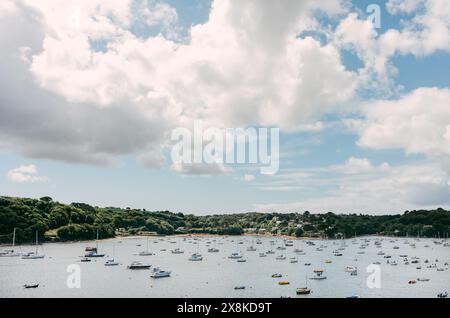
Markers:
<point>138,265</point>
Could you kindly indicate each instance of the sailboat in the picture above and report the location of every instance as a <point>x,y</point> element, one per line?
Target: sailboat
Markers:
<point>237,254</point>
<point>146,252</point>
<point>34,255</point>
<point>213,249</point>
<point>94,253</point>
<point>319,275</point>
<point>11,252</point>
<point>251,248</point>
<point>112,262</point>
<point>196,257</point>
<point>304,290</point>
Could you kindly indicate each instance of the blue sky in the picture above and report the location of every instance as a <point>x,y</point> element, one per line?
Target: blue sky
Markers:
<point>343,167</point>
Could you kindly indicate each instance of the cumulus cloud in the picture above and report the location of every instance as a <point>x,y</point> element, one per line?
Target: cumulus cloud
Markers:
<point>62,98</point>
<point>380,191</point>
<point>25,174</point>
<point>425,32</point>
<point>418,123</point>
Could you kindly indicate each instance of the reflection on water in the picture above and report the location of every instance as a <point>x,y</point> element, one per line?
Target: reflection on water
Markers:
<point>217,275</point>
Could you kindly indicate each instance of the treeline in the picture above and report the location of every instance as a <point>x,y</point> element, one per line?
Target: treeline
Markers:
<point>80,221</point>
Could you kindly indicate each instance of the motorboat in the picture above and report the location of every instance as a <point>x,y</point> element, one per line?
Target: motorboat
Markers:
<point>31,286</point>
<point>235,255</point>
<point>177,251</point>
<point>196,257</point>
<point>350,269</point>
<point>280,257</point>
<point>319,275</point>
<point>111,262</point>
<point>158,273</point>
<point>277,275</point>
<point>138,265</point>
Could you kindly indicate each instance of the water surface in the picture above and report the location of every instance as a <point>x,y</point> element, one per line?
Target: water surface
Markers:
<point>217,275</point>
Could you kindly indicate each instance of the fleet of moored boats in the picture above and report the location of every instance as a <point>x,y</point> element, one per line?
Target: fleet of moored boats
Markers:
<point>317,274</point>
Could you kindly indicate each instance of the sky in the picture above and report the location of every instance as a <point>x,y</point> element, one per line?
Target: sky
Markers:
<point>91,91</point>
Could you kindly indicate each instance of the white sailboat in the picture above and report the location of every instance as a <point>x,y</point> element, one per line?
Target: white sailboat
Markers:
<point>112,262</point>
<point>94,253</point>
<point>146,252</point>
<point>11,252</point>
<point>34,255</point>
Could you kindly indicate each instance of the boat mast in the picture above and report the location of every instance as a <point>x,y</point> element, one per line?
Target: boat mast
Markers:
<point>36,242</point>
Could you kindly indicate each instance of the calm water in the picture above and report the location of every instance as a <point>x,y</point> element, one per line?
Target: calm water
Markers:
<point>217,275</point>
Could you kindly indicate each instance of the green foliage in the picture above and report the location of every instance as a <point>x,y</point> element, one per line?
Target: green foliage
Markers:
<point>80,221</point>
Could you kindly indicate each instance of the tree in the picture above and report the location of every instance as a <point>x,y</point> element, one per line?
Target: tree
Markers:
<point>298,232</point>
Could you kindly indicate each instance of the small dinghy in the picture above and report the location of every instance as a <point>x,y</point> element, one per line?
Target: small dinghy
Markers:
<point>283,283</point>
<point>277,275</point>
<point>30,286</point>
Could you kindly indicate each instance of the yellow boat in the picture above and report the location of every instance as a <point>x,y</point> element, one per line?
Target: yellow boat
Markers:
<point>283,283</point>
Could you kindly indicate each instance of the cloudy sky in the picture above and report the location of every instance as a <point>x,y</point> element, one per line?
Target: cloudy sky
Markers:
<point>90,91</point>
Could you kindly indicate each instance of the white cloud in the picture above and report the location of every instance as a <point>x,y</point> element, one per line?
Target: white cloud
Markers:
<point>25,174</point>
<point>73,102</point>
<point>200,169</point>
<point>407,6</point>
<point>238,71</point>
<point>425,32</point>
<point>8,7</point>
<point>359,165</point>
<point>382,191</point>
<point>418,122</point>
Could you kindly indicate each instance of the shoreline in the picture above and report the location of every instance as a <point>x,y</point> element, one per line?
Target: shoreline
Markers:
<point>202,235</point>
